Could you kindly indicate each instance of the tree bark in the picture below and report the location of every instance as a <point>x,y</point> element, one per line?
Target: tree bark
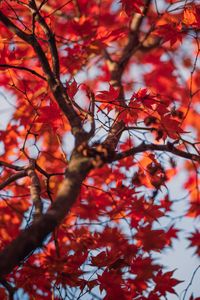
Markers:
<point>33,237</point>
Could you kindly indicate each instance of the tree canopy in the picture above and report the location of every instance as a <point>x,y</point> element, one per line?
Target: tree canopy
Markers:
<point>105,113</point>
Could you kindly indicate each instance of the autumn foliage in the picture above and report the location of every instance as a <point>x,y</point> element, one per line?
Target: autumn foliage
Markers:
<point>105,113</point>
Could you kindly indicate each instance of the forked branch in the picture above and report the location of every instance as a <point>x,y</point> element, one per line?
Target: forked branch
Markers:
<point>55,84</point>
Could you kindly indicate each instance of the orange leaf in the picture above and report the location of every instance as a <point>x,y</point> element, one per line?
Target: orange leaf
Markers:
<point>189,16</point>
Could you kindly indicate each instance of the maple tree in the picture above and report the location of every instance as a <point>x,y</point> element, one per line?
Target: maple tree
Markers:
<point>106,99</point>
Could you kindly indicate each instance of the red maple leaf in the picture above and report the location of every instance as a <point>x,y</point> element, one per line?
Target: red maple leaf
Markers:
<point>131,7</point>
<point>50,115</point>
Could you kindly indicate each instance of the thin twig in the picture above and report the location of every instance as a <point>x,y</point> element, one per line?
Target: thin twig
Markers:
<point>8,66</point>
<point>190,283</point>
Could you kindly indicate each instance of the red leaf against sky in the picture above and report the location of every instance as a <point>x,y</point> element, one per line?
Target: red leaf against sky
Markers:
<point>195,241</point>
<point>132,6</point>
<point>108,98</point>
<point>72,89</point>
<point>165,283</point>
<point>50,115</point>
<point>110,95</point>
<point>144,96</point>
<point>170,33</point>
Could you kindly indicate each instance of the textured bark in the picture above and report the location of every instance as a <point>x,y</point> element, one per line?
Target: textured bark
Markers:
<point>33,237</point>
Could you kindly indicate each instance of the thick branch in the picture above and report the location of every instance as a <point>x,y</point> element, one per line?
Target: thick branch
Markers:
<point>33,237</point>
<point>51,39</point>
<point>13,178</point>
<point>114,135</point>
<point>169,147</point>
<point>132,46</point>
<point>12,27</point>
<point>35,189</point>
<point>118,68</point>
<point>11,166</point>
